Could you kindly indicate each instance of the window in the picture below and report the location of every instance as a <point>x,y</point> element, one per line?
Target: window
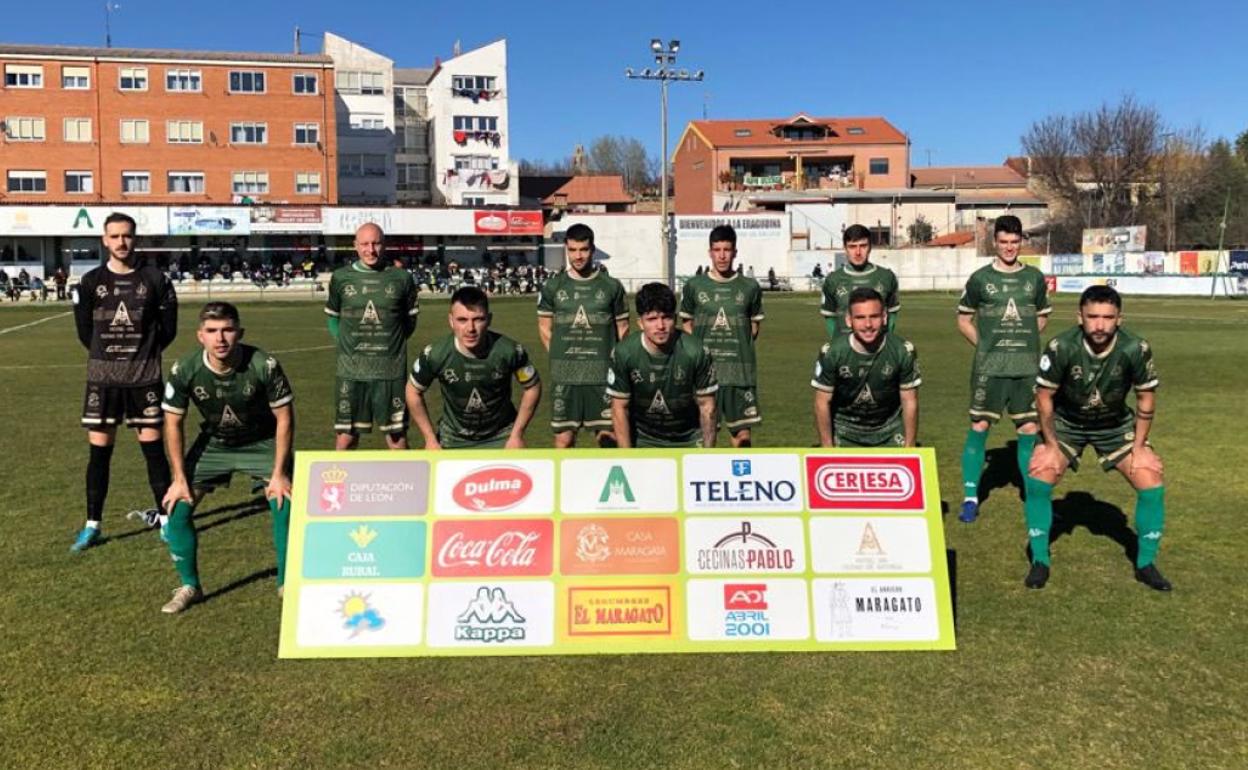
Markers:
<point>28,181</point>
<point>361,165</point>
<point>305,83</point>
<point>136,182</point>
<point>477,123</point>
<point>307,133</point>
<point>414,138</point>
<point>472,84</point>
<point>367,121</point>
<point>77,129</point>
<point>879,166</point>
<point>249,133</point>
<point>856,131</point>
<point>476,162</point>
<point>75,78</point>
<point>308,183</point>
<point>743,132</point>
<point>247,82</point>
<point>25,129</point>
<point>184,132</point>
<point>134,131</point>
<point>246,182</point>
<point>23,76</point>
<point>412,177</point>
<point>79,182</point>
<point>133,79</point>
<point>186,181</point>
<point>367,83</point>
<point>472,200</point>
<point>183,80</point>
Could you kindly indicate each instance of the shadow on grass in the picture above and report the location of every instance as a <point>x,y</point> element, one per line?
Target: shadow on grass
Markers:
<point>1080,509</point>
<point>263,574</point>
<point>1000,471</point>
<point>951,561</point>
<point>242,510</point>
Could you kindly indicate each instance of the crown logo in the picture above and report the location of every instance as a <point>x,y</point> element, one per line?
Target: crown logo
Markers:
<point>362,535</point>
<point>334,475</point>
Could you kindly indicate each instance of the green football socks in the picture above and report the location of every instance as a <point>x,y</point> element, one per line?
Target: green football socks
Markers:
<point>1038,511</point>
<point>1150,519</point>
<point>1026,445</point>
<point>281,527</point>
<point>829,323</point>
<point>973,463</point>
<point>183,543</point>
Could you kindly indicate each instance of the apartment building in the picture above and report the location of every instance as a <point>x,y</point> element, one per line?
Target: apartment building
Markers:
<point>364,105</point>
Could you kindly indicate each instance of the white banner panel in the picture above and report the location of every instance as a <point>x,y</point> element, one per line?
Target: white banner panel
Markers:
<point>490,487</point>
<point>617,486</point>
<point>744,609</point>
<point>360,614</point>
<point>762,545</point>
<point>493,613</point>
<point>875,610</point>
<point>876,544</point>
<point>755,483</point>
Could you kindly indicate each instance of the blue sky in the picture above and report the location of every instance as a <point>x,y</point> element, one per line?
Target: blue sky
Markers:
<point>963,79</point>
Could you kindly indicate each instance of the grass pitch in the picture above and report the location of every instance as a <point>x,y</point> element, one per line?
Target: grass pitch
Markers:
<point>1093,671</point>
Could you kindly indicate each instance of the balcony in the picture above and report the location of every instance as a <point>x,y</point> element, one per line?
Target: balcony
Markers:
<point>788,173</point>
<point>489,138</point>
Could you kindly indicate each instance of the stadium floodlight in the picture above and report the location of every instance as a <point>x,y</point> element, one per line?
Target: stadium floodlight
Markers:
<point>628,72</point>
<point>698,75</point>
<point>684,74</point>
<point>656,45</point>
<point>673,46</point>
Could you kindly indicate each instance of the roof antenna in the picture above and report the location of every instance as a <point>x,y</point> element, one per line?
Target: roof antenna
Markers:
<point>109,7</point>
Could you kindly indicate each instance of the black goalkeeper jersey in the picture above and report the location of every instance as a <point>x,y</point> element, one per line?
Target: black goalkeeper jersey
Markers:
<point>124,321</point>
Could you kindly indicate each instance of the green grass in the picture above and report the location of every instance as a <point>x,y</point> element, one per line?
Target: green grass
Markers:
<point>1093,671</point>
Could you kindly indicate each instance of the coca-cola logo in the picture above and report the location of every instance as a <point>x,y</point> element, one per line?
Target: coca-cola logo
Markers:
<point>872,483</point>
<point>493,548</point>
<point>495,488</point>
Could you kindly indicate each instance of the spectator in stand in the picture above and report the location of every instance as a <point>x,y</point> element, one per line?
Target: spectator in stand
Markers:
<point>61,279</point>
<point>4,282</point>
<point>771,278</point>
<point>38,290</point>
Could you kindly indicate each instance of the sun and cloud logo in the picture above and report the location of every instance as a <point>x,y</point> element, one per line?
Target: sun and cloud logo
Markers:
<point>358,615</point>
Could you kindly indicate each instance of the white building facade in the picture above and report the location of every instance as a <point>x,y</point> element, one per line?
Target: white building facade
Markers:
<point>364,104</point>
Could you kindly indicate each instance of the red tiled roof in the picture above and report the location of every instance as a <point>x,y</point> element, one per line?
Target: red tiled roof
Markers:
<point>952,240</point>
<point>726,133</point>
<point>590,189</point>
<point>967,176</point>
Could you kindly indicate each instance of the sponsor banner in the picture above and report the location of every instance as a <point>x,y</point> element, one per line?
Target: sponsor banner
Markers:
<point>865,483</point>
<point>286,219</point>
<point>747,610</point>
<point>765,545</point>
<point>619,610</point>
<point>399,221</point>
<point>1238,261</point>
<point>364,550</point>
<point>492,614</point>
<point>353,615</point>
<point>1189,263</point>
<point>1165,285</point>
<point>881,544</point>
<point>617,486</point>
<point>353,488</point>
<point>209,220</point>
<point>1114,239</point>
<point>747,225</point>
<point>1067,264</point>
<point>619,546</point>
<point>493,548</point>
<point>78,220</point>
<point>748,482</point>
<point>486,487</point>
<point>507,222</point>
<point>875,610</point>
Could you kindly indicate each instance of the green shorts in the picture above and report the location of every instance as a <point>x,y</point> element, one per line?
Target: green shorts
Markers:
<point>643,441</point>
<point>1111,444</point>
<point>738,407</point>
<point>580,406</point>
<point>994,397</point>
<point>497,441</point>
<point>891,433</point>
<point>361,404</point>
<point>210,465</point>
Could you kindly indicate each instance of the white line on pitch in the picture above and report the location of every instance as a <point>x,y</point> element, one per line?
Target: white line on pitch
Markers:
<point>36,323</point>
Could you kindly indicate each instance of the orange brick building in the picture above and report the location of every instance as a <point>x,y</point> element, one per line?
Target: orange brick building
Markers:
<point>91,125</point>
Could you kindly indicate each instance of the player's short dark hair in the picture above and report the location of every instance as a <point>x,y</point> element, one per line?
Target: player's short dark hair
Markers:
<point>1097,293</point>
<point>656,297</point>
<point>471,297</point>
<point>117,216</point>
<point>220,311</point>
<point>1008,223</point>
<point>722,234</point>
<point>580,232</point>
<point>864,294</point>
<point>856,233</point>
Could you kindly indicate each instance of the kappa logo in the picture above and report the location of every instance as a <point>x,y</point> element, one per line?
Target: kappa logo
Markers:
<point>490,617</point>
<point>493,488</point>
<point>869,483</point>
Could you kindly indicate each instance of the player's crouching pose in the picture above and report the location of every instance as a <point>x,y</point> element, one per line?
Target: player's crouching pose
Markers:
<point>1085,375</point>
<point>245,400</point>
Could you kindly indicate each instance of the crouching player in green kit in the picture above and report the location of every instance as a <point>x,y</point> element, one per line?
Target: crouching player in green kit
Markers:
<point>1085,376</point>
<point>866,383</point>
<point>249,426</point>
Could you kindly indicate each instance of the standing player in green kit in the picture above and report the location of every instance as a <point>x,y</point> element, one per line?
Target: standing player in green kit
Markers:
<point>1085,376</point>
<point>724,309</point>
<point>1002,312</point>
<point>581,315</point>
<point>858,270</point>
<point>249,426</point>
<point>372,309</point>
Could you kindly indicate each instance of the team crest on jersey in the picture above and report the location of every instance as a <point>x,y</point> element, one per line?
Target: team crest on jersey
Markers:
<point>141,291</point>
<point>561,296</point>
<point>659,404</point>
<point>1095,401</point>
<point>249,390</point>
<point>122,316</point>
<point>229,419</point>
<point>581,321</point>
<point>349,290</point>
<point>1011,312</point>
<point>864,396</point>
<point>1028,287</point>
<point>390,290</point>
<point>887,371</point>
<point>678,374</point>
<point>740,298</point>
<point>600,295</point>
<point>842,291</point>
<point>721,322</point>
<point>370,314</point>
<point>475,402</point>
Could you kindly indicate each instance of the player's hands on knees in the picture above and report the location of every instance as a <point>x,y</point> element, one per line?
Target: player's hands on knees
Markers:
<point>1145,459</point>
<point>432,445</point>
<point>1045,461</point>
<point>278,488</point>
<point>178,491</point>
<point>514,442</point>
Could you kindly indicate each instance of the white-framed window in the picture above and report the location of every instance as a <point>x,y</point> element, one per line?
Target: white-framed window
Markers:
<point>20,129</point>
<point>366,83</point>
<point>367,121</point>
<point>136,182</point>
<point>23,76</point>
<point>134,131</point>
<point>132,79</point>
<point>190,81</point>
<point>28,181</point>
<point>79,182</point>
<point>475,83</point>
<point>308,183</point>
<point>307,133</point>
<point>77,129</point>
<point>180,182</point>
<point>304,83</point>
<point>475,123</point>
<point>475,163</point>
<point>473,200</point>
<point>361,165</point>
<point>184,132</point>
<point>248,182</point>
<point>249,133</point>
<point>246,82</point>
<point>75,78</point>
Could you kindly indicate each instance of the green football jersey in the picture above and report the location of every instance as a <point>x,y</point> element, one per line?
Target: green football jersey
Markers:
<point>237,406</point>
<point>1091,389</point>
<point>476,391</point>
<point>377,312</point>
<point>866,386</point>
<point>585,311</point>
<point>722,312</point>
<point>839,283</point>
<point>1006,308</point>
<point>662,388</point>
